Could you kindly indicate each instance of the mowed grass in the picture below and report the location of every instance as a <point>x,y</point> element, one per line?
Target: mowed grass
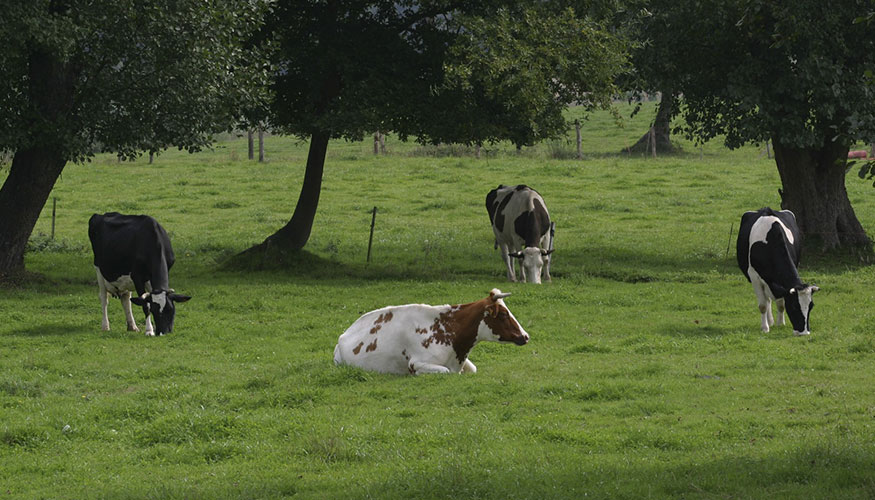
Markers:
<point>646,377</point>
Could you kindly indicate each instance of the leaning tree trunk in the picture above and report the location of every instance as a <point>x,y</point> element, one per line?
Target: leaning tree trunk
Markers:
<point>814,189</point>
<point>36,167</point>
<point>22,197</point>
<point>294,235</point>
<point>661,131</point>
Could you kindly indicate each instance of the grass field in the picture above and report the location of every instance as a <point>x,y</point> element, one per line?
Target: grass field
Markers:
<point>646,377</point>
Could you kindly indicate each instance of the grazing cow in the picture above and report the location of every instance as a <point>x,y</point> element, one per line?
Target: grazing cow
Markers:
<point>419,338</point>
<point>132,252</point>
<point>768,249</point>
<point>522,230</point>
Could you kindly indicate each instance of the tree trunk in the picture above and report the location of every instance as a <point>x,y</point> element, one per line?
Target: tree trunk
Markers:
<point>294,235</point>
<point>260,145</point>
<point>31,178</point>
<point>35,167</point>
<point>661,129</point>
<point>251,143</point>
<point>814,189</point>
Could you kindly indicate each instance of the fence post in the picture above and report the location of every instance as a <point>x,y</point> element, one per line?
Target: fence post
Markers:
<point>54,206</point>
<point>260,145</point>
<point>371,238</point>
<point>579,141</point>
<point>251,142</point>
<point>376,143</point>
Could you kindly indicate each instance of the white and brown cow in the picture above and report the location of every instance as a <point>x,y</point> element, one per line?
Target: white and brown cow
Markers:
<point>419,338</point>
<point>522,230</point>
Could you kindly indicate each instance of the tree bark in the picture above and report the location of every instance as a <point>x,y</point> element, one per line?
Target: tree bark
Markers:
<point>35,167</point>
<point>294,235</point>
<point>814,190</point>
<point>31,178</point>
<point>661,129</point>
<point>251,144</point>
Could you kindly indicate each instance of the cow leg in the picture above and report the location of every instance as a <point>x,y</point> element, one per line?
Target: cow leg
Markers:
<point>547,268</point>
<point>780,319</point>
<point>508,261</point>
<point>150,331</point>
<point>129,315</point>
<point>428,368</point>
<point>101,284</point>
<point>468,367</point>
<point>765,306</point>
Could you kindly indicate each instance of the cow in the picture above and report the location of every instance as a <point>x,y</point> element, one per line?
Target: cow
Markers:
<point>522,229</point>
<point>418,338</point>
<point>768,249</point>
<point>133,253</point>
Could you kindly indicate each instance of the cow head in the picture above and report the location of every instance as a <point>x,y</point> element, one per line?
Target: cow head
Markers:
<point>532,262</point>
<point>799,304</point>
<point>160,304</point>
<point>498,322</point>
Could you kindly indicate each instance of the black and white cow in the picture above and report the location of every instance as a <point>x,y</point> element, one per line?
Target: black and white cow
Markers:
<point>768,249</point>
<point>522,230</point>
<point>133,252</point>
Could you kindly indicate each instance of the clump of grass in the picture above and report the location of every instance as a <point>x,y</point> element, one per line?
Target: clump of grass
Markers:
<point>41,242</point>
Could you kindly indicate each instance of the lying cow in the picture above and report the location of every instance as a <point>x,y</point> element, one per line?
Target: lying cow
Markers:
<point>522,230</point>
<point>133,253</point>
<point>419,338</point>
<point>768,249</point>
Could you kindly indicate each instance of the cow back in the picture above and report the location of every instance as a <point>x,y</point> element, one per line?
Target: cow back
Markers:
<point>130,244</point>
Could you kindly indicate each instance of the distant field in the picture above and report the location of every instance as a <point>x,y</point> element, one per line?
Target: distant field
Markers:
<point>646,376</point>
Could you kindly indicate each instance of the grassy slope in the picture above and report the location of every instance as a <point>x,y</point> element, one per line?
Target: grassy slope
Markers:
<point>647,375</point>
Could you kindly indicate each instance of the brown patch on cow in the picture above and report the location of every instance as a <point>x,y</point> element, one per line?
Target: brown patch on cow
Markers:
<point>358,348</point>
<point>411,369</point>
<point>372,346</point>
<point>378,323</point>
<point>456,327</point>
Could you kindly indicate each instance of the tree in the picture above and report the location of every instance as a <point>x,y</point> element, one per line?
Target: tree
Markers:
<point>79,77</point>
<point>648,25</point>
<point>434,70</point>
<point>792,72</point>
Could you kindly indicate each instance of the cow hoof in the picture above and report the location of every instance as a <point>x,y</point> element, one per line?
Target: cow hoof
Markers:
<point>150,334</point>
<point>133,328</point>
<point>801,334</point>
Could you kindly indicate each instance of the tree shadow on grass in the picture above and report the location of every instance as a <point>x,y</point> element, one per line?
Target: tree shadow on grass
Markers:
<point>832,470</point>
<point>48,330</point>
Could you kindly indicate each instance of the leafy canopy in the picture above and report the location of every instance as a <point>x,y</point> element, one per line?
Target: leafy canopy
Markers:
<point>145,74</point>
<point>792,71</point>
<point>441,71</point>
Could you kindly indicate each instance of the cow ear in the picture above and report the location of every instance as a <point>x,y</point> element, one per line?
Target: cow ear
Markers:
<point>516,255</point>
<point>139,301</point>
<point>175,297</point>
<point>547,252</point>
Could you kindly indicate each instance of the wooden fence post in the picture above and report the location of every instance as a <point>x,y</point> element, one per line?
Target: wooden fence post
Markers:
<point>251,142</point>
<point>371,238</point>
<point>54,206</point>
<point>579,140</point>
<point>260,145</point>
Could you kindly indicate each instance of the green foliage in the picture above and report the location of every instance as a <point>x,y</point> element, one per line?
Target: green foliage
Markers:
<point>789,71</point>
<point>438,71</point>
<point>646,376</point>
<point>125,75</point>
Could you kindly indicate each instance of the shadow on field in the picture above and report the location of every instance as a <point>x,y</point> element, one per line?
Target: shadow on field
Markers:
<point>827,470</point>
<point>48,330</point>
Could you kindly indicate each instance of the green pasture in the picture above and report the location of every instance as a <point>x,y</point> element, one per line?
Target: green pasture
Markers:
<point>646,376</point>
